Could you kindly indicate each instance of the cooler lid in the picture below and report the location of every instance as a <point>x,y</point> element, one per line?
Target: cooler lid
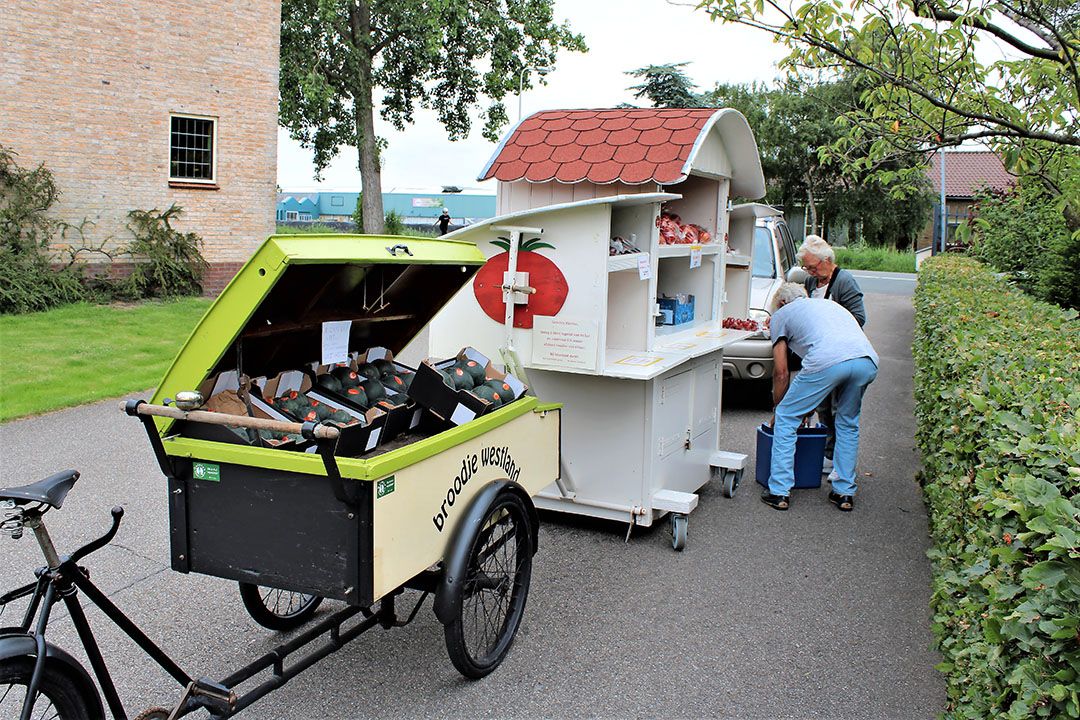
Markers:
<point>270,316</point>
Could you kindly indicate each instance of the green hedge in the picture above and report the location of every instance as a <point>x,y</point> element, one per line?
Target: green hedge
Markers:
<point>998,409</point>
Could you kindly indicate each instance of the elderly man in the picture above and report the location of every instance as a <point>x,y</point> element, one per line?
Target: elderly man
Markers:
<point>826,280</point>
<point>836,357</point>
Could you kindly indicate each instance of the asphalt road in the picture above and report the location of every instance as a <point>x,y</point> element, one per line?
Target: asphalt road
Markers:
<point>810,613</point>
<point>886,283</point>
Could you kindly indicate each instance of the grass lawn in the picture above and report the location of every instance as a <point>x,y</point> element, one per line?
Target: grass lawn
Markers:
<point>82,353</point>
<point>883,259</point>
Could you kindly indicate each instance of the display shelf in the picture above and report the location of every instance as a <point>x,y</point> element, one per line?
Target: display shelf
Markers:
<point>698,339</point>
<point>618,263</point>
<point>640,365</point>
<point>667,251</point>
<point>738,260</point>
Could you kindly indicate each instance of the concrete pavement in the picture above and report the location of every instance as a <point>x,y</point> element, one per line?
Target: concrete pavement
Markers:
<point>810,613</point>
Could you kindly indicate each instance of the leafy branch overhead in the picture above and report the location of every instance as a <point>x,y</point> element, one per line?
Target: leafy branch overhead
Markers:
<point>942,72</point>
<point>341,60</point>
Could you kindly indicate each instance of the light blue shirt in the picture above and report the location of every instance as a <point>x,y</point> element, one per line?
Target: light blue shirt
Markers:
<point>821,332</point>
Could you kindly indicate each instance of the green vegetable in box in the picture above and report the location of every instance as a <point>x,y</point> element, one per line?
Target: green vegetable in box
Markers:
<point>374,389</point>
<point>394,383</point>
<point>368,371</point>
<point>485,393</point>
<point>462,380</point>
<point>384,366</point>
<point>358,396</point>
<point>330,382</point>
<point>502,388</point>
<point>346,376</point>
<point>447,377</point>
<point>342,417</point>
<point>397,398</point>
<point>475,370</point>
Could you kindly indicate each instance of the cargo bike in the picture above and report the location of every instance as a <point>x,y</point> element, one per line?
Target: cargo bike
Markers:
<point>428,491</point>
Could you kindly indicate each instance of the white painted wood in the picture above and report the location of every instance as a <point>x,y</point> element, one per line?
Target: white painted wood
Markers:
<point>699,204</point>
<point>728,460</point>
<point>672,501</point>
<point>620,263</point>
<point>712,157</point>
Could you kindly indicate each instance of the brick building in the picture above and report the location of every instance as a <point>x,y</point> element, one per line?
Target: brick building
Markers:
<point>140,104</point>
<point>967,173</point>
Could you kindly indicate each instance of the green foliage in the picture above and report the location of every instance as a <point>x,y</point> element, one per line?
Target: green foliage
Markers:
<point>358,213</point>
<point>167,262</point>
<point>394,224</point>
<point>339,56</point>
<point>1024,233</point>
<point>665,85</point>
<point>28,280</point>
<point>939,74</point>
<point>878,258</point>
<point>998,411</point>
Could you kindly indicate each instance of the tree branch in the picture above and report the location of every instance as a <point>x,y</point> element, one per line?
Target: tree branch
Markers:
<point>924,8</point>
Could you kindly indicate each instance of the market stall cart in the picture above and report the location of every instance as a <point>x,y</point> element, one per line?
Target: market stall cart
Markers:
<point>610,272</point>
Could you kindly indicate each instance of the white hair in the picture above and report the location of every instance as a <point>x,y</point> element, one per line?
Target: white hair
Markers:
<point>816,246</point>
<point>788,292</point>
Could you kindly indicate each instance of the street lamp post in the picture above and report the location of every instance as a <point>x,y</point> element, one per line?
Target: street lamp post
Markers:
<point>542,69</point>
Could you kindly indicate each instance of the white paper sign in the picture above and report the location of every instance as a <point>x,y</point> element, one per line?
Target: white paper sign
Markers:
<point>335,341</point>
<point>644,267</point>
<point>695,256</point>
<point>564,341</point>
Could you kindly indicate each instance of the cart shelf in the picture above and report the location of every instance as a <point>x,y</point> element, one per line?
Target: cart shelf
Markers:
<point>667,251</point>
<point>618,263</point>
<point>738,260</point>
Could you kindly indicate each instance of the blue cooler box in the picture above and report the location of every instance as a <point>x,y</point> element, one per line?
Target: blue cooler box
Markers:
<point>809,456</point>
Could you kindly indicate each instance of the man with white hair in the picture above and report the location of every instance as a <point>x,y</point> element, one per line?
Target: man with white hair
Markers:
<point>824,279</point>
<point>836,357</point>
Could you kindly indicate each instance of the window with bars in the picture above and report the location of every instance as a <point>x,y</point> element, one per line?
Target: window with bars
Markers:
<point>192,149</point>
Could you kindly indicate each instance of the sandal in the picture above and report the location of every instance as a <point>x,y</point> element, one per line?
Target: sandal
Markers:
<point>778,502</point>
<point>846,503</point>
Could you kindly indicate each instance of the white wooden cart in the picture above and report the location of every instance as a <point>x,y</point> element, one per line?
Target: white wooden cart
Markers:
<point>641,431</point>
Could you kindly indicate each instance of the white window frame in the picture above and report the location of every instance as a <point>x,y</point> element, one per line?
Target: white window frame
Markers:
<point>212,180</point>
<point>292,215</point>
<point>305,217</point>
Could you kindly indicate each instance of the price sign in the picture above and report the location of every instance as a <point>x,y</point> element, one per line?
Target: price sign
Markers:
<point>335,341</point>
<point>695,256</point>
<point>644,267</point>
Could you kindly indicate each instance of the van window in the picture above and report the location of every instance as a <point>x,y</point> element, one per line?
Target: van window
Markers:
<point>787,247</point>
<point>764,264</point>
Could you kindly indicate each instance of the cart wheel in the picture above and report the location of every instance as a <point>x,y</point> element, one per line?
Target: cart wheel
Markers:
<point>731,483</point>
<point>278,609</point>
<point>495,588</point>
<point>678,530</point>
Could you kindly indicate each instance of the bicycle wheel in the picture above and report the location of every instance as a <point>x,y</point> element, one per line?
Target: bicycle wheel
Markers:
<point>495,589</point>
<point>58,698</point>
<point>278,609</point>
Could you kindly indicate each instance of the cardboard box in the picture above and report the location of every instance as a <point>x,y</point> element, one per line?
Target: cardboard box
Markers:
<point>676,310</point>
<point>457,406</point>
<point>401,417</point>
<point>356,438</point>
<point>229,380</point>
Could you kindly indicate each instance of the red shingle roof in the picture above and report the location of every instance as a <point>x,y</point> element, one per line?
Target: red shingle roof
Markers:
<point>629,145</point>
<point>968,172</point>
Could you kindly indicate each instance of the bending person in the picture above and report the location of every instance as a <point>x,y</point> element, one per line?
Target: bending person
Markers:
<point>836,357</point>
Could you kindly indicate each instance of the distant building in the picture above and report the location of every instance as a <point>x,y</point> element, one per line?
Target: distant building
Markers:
<point>142,104</point>
<point>966,174</point>
<point>417,208</point>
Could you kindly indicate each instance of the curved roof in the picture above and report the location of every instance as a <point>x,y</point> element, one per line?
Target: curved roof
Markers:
<point>628,145</point>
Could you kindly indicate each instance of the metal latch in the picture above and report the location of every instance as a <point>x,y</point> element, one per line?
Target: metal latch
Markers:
<point>401,247</point>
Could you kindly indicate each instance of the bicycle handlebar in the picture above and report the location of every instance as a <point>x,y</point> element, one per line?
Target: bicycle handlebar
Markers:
<point>117,514</point>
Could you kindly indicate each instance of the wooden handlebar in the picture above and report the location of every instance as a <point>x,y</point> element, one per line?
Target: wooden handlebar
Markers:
<point>322,432</point>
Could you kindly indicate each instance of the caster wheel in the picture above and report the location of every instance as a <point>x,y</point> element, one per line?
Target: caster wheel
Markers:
<point>678,531</point>
<point>731,482</point>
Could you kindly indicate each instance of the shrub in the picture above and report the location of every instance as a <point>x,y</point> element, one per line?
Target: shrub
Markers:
<point>28,280</point>
<point>1024,233</point>
<point>998,411</point>
<point>393,224</point>
<point>167,262</point>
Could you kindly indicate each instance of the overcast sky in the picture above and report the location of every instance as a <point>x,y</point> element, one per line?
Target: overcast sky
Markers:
<point>622,35</point>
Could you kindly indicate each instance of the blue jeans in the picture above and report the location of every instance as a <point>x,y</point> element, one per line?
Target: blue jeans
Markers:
<point>850,380</point>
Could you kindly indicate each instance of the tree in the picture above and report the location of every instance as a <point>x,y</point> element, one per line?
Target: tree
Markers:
<point>444,55</point>
<point>928,85</point>
<point>664,85</point>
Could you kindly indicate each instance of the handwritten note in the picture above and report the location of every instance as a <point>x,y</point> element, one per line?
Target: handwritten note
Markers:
<point>564,341</point>
<point>335,341</point>
<point>644,267</point>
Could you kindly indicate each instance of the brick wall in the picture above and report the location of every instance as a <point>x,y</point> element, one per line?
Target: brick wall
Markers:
<point>87,86</point>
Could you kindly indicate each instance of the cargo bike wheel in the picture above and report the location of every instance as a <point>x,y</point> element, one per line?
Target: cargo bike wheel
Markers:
<point>494,584</point>
<point>278,609</point>
<point>58,696</point>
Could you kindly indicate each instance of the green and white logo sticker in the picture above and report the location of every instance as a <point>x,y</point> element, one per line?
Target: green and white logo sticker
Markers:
<point>206,471</point>
<point>384,487</point>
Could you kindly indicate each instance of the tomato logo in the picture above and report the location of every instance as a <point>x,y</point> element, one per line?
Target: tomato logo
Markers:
<point>544,275</point>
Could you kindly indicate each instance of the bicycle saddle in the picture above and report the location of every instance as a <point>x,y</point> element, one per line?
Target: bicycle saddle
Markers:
<point>51,491</point>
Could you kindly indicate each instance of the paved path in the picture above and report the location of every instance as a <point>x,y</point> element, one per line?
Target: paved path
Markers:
<point>887,283</point>
<point>806,614</point>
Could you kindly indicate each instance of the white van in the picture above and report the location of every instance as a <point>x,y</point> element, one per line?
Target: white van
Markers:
<point>774,264</point>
